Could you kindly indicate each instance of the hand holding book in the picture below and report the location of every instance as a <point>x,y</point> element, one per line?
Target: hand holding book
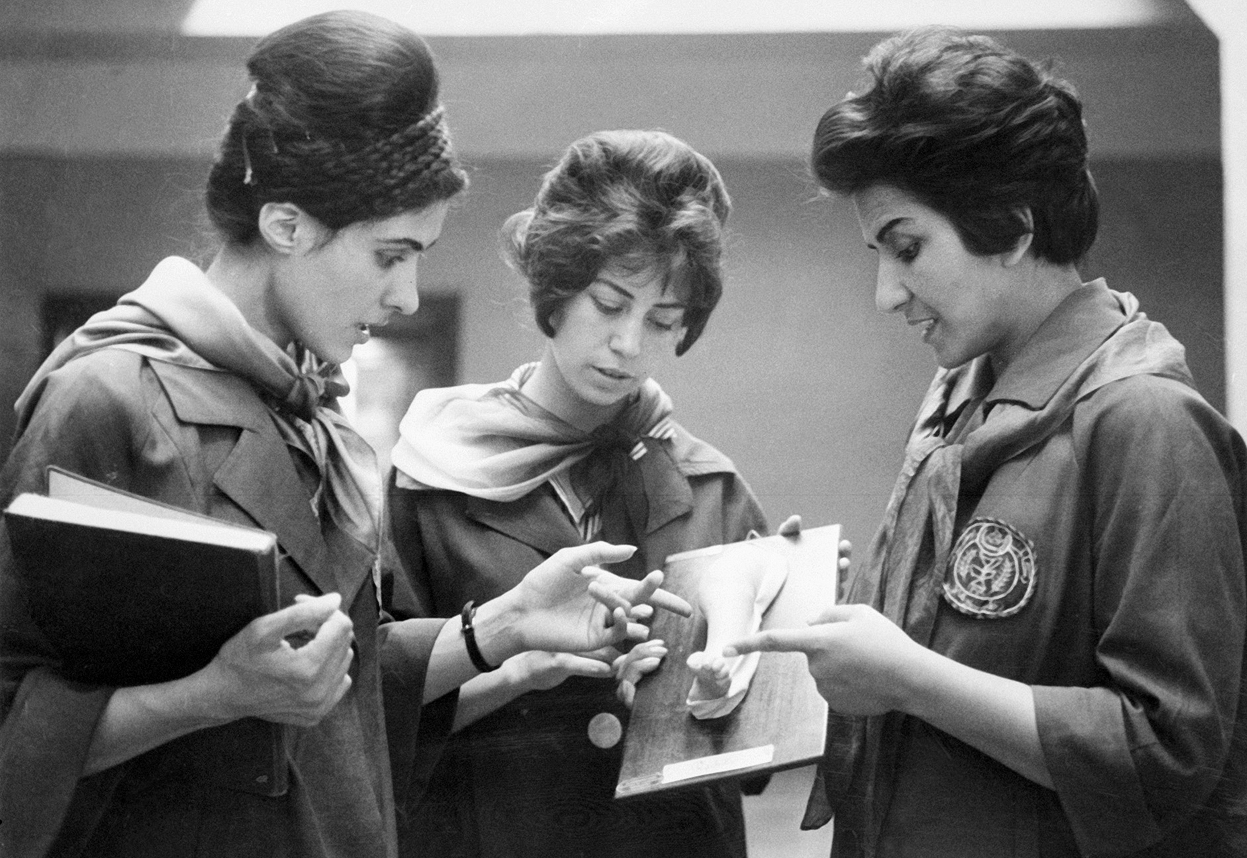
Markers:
<point>257,673</point>
<point>265,676</point>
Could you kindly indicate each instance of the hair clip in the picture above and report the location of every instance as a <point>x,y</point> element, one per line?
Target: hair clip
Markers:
<point>248,177</point>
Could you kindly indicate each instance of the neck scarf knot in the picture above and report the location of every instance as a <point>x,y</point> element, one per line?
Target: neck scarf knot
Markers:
<point>613,473</point>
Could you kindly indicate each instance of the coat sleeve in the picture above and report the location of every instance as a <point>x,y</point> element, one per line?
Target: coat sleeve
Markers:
<point>1137,756</point>
<point>404,580</point>
<point>417,733</point>
<point>89,419</point>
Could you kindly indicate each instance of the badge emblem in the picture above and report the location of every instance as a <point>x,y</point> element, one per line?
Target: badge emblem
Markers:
<point>991,573</point>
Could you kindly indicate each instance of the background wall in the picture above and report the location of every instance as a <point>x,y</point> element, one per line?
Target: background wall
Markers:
<point>108,120</point>
<point>105,140</point>
<point>797,377</point>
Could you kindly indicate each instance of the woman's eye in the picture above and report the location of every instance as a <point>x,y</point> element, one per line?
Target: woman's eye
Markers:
<point>665,324</point>
<point>607,309</point>
<point>389,260</point>
<point>909,252</point>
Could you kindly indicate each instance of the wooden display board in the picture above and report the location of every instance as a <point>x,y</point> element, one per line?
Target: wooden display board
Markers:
<point>781,723</point>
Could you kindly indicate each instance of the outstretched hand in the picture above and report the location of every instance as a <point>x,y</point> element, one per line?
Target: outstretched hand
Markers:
<point>570,604</point>
<point>859,659</point>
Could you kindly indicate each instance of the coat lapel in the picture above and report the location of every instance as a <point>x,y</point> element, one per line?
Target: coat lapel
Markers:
<point>666,489</point>
<point>537,520</point>
<point>258,473</point>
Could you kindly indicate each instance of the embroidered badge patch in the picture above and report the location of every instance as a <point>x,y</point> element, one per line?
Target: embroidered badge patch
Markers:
<point>991,573</point>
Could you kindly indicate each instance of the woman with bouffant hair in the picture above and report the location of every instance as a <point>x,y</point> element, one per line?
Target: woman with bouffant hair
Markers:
<point>1043,652</point>
<point>621,251</point>
<point>216,391</point>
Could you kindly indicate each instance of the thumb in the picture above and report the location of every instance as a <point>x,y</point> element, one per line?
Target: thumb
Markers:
<point>307,614</point>
<point>790,527</point>
<point>595,554</point>
<point>834,614</point>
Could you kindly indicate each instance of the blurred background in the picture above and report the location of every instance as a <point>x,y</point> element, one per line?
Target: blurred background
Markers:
<point>110,111</point>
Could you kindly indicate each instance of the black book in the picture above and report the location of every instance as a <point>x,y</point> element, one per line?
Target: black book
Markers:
<point>131,591</point>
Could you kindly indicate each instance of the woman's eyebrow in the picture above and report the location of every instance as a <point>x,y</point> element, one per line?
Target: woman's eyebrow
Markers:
<point>882,235</point>
<point>418,247</point>
<point>606,281</point>
<point>626,293</point>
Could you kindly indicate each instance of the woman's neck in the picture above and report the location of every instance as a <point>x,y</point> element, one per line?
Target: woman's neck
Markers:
<point>547,387</point>
<point>243,274</point>
<point>1039,288</point>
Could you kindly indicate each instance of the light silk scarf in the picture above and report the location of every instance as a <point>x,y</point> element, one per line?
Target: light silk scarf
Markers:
<point>490,441</point>
<point>177,316</point>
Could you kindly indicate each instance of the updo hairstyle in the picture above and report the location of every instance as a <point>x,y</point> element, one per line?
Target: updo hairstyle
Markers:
<point>637,200</point>
<point>974,131</point>
<point>343,121</point>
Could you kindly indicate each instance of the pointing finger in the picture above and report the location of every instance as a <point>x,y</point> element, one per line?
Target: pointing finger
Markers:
<point>807,640</point>
<point>652,593</point>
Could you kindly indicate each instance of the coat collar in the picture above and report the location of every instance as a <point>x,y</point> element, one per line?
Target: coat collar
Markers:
<point>258,473</point>
<point>1078,326</point>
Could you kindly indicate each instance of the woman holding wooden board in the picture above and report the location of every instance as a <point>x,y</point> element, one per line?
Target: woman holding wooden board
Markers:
<point>1043,653</point>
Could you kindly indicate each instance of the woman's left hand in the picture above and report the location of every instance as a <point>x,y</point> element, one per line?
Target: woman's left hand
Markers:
<point>538,670</point>
<point>791,526</point>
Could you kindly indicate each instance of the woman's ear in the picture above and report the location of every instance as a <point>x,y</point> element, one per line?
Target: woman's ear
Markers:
<point>1017,253</point>
<point>286,228</point>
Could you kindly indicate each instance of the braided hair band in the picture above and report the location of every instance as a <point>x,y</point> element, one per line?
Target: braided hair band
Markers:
<point>385,170</point>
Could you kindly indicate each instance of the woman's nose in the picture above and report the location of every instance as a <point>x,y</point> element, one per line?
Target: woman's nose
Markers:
<point>890,294</point>
<point>404,295</point>
<point>626,337</point>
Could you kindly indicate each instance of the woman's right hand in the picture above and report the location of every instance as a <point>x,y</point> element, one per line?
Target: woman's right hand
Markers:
<point>569,604</point>
<point>257,673</point>
<point>262,675</point>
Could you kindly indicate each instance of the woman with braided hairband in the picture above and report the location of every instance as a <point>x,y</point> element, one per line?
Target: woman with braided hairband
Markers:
<point>215,391</point>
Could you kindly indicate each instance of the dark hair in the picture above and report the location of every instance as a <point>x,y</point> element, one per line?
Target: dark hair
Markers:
<point>343,120</point>
<point>642,200</point>
<point>974,131</point>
